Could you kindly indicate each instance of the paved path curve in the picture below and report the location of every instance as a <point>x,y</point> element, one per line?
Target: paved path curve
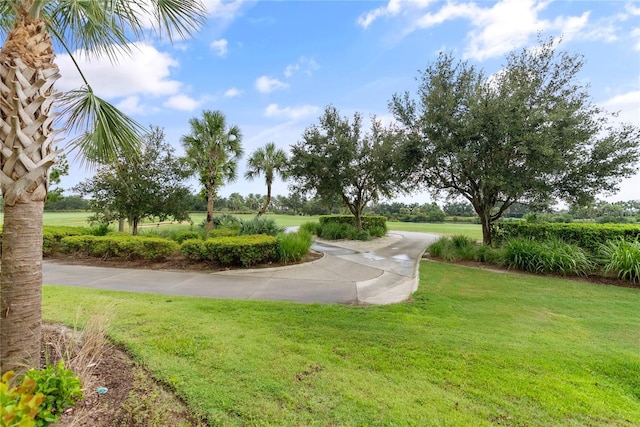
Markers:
<point>383,276</point>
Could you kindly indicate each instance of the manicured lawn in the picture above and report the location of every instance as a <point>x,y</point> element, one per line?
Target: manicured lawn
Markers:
<point>447,228</point>
<point>472,348</point>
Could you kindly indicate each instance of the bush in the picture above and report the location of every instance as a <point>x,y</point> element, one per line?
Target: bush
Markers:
<point>337,231</point>
<point>193,250</point>
<point>242,250</point>
<point>255,226</point>
<point>61,388</point>
<point>181,236</point>
<point>120,246</point>
<point>368,221</point>
<point>460,247</point>
<point>19,405</point>
<point>292,247</point>
<point>52,235</point>
<point>586,235</point>
<point>226,221</point>
<point>313,228</point>
<point>224,232</point>
<point>377,231</point>
<point>622,258</point>
<point>237,250</point>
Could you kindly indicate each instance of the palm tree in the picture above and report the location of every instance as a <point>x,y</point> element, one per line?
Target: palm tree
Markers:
<point>270,161</point>
<point>213,151</point>
<point>27,86</point>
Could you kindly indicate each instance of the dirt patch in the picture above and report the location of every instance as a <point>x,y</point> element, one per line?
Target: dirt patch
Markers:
<point>132,397</point>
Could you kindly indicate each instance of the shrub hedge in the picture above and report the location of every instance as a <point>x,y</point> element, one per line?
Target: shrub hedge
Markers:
<point>586,235</point>
<point>120,246</point>
<point>237,250</point>
<point>368,221</point>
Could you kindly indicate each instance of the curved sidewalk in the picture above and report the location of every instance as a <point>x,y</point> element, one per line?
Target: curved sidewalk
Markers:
<point>383,276</point>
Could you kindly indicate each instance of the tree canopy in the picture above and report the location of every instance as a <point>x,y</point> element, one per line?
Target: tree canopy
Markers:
<point>336,159</point>
<point>528,133</point>
<point>148,186</point>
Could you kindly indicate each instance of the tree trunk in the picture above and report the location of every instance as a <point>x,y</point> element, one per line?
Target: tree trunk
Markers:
<point>27,75</point>
<point>121,225</point>
<point>134,223</point>
<point>209,224</point>
<point>265,205</point>
<point>21,292</point>
<point>358,219</point>
<point>485,219</point>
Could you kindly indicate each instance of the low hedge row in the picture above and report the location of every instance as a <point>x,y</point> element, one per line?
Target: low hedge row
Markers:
<point>368,221</point>
<point>52,235</point>
<point>586,235</point>
<point>120,246</point>
<point>240,250</point>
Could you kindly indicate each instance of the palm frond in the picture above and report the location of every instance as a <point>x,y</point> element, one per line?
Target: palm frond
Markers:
<point>108,28</point>
<point>104,132</point>
<point>179,16</point>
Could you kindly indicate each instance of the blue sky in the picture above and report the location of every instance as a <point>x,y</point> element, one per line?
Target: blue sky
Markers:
<point>272,66</point>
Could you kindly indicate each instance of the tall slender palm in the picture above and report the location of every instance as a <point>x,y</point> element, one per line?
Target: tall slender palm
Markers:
<point>213,151</point>
<point>27,101</point>
<point>270,161</point>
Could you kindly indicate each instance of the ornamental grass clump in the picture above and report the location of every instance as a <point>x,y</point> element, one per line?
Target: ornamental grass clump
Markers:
<point>459,248</point>
<point>622,257</point>
<point>550,256</point>
<point>292,247</point>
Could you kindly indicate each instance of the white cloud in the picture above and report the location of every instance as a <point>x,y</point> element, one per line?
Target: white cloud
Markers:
<point>266,84</point>
<point>226,10</point>
<point>219,46</point>
<point>131,105</point>
<point>507,25</point>
<point>232,92</point>
<point>291,113</point>
<point>636,35</point>
<point>146,72</point>
<point>290,69</point>
<point>628,106</point>
<point>306,65</point>
<point>393,7</point>
<point>496,29</point>
<point>182,102</point>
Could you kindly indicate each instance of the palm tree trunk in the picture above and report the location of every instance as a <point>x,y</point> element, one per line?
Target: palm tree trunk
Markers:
<point>265,205</point>
<point>209,223</point>
<point>21,289</point>
<point>27,75</point>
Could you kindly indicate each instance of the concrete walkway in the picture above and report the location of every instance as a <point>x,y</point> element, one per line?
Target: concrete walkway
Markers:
<point>383,276</point>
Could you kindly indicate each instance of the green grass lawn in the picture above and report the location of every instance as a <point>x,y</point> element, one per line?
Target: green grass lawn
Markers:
<point>447,228</point>
<point>472,348</point>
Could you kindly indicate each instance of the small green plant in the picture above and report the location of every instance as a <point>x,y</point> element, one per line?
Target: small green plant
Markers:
<point>457,248</point>
<point>436,249</point>
<point>254,226</point>
<point>61,389</point>
<point>311,227</point>
<point>19,405</point>
<point>622,257</point>
<point>292,247</point>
